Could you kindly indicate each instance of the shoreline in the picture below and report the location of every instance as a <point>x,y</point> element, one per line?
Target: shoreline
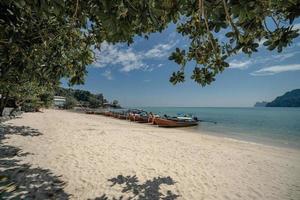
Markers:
<point>243,137</point>
<point>215,135</point>
<point>265,141</point>
<point>263,126</point>
<point>95,156</point>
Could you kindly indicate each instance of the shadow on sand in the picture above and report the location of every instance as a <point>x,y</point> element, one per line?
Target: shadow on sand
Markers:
<point>21,181</point>
<point>149,190</point>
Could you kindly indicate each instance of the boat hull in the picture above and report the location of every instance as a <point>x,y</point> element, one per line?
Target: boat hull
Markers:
<point>141,119</point>
<point>108,114</point>
<point>115,115</point>
<point>131,117</point>
<point>122,117</point>
<point>173,123</point>
<point>150,119</point>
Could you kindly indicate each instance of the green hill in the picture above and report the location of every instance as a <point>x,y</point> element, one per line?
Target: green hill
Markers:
<point>289,99</point>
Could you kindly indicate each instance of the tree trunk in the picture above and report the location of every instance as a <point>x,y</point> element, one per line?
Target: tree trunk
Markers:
<point>13,110</point>
<point>1,109</point>
<point>3,102</point>
<point>16,107</point>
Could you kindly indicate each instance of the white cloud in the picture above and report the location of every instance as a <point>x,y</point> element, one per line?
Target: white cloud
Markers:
<point>107,74</point>
<point>159,51</point>
<point>129,59</point>
<point>244,64</point>
<point>275,58</point>
<point>285,56</point>
<point>235,64</point>
<point>276,69</point>
<point>114,55</point>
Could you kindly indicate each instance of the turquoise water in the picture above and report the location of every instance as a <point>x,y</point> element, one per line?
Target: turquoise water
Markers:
<point>275,126</point>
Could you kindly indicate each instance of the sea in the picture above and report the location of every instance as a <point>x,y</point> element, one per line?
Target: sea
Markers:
<point>265,125</point>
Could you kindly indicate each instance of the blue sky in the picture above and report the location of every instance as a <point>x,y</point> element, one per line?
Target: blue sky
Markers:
<point>138,75</point>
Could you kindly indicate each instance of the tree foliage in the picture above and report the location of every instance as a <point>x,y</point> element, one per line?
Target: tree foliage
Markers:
<point>115,104</point>
<point>245,23</point>
<point>30,93</point>
<point>85,98</point>
<point>71,102</point>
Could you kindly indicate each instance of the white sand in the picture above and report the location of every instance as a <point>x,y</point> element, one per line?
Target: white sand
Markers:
<point>87,150</point>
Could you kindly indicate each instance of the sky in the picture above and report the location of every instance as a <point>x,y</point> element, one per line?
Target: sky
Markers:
<point>138,75</point>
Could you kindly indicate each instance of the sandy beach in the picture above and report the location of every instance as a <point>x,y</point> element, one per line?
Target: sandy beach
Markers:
<point>81,156</point>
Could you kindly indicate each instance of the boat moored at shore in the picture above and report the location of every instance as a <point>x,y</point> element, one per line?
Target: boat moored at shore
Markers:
<point>141,116</point>
<point>174,122</point>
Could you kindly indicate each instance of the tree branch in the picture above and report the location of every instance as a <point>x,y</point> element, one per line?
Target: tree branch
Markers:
<point>76,9</point>
<point>228,18</point>
<point>277,25</point>
<point>203,13</point>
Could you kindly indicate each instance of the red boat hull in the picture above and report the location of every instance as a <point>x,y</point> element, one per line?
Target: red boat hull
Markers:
<point>122,117</point>
<point>173,123</point>
<point>109,114</point>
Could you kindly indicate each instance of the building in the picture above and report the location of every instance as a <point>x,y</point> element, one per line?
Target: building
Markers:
<point>59,101</point>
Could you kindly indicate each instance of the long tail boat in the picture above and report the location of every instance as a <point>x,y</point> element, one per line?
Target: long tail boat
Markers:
<point>122,116</point>
<point>141,118</point>
<point>131,117</point>
<point>108,114</point>
<point>90,112</point>
<point>152,117</point>
<point>115,115</point>
<point>133,114</point>
<point>174,122</point>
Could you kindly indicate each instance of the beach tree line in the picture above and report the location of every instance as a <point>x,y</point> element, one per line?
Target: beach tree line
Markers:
<point>43,41</point>
<point>32,97</point>
<point>83,98</point>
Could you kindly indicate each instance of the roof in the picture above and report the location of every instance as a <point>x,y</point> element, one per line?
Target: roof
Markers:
<point>59,98</point>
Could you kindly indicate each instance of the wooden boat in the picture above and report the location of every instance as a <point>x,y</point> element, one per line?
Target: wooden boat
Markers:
<point>115,115</point>
<point>122,116</point>
<point>99,113</point>
<point>150,119</point>
<point>141,118</point>
<point>131,117</point>
<point>111,114</point>
<point>108,114</point>
<point>174,122</point>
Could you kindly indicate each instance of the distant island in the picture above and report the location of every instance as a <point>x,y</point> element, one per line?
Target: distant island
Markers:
<point>261,104</point>
<point>289,99</point>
